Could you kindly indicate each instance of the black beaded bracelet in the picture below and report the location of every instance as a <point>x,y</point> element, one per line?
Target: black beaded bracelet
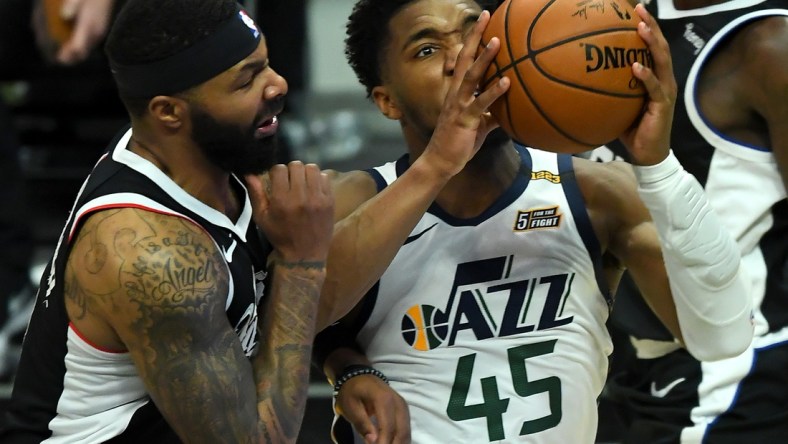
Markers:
<point>352,371</point>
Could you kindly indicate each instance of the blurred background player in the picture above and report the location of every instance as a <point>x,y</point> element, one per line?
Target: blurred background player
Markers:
<point>730,131</point>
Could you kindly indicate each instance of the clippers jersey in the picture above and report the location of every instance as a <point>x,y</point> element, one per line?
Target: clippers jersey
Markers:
<point>742,182</point>
<point>66,389</point>
<point>666,394</point>
<point>493,328</point>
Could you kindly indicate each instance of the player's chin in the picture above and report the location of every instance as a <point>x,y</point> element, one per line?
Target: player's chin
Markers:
<point>257,158</point>
<point>254,166</point>
<point>496,138</point>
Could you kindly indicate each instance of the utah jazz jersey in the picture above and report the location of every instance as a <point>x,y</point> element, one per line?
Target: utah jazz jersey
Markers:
<point>68,390</point>
<point>493,328</point>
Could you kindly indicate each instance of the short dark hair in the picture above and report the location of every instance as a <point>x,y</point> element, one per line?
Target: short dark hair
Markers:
<point>146,31</point>
<point>367,33</point>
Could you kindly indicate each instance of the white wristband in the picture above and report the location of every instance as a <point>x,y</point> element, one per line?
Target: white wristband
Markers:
<point>652,174</point>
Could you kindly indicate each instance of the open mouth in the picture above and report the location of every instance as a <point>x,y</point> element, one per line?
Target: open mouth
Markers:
<point>267,127</point>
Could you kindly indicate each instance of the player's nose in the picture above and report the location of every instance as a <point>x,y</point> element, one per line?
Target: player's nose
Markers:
<point>452,54</point>
<point>275,85</point>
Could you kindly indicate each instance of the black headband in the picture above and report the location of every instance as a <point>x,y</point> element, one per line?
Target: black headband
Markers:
<point>232,42</point>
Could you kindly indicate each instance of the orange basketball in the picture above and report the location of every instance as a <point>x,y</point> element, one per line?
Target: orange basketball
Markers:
<point>570,67</point>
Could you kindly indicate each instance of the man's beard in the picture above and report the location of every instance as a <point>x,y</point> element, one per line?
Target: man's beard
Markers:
<point>230,147</point>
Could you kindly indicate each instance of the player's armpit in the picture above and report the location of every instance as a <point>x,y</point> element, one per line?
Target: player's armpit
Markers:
<point>161,285</point>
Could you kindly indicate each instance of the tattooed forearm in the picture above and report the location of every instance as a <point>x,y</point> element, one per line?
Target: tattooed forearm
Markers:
<point>287,326</point>
<point>306,265</point>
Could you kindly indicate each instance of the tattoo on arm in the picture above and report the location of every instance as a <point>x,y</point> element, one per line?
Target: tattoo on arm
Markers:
<point>287,327</point>
<point>164,284</point>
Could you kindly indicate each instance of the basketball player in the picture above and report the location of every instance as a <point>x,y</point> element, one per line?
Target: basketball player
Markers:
<point>490,321</point>
<point>731,132</point>
<point>146,322</point>
<point>145,326</point>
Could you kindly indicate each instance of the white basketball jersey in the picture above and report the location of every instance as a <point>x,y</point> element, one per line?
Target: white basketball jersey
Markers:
<point>493,328</point>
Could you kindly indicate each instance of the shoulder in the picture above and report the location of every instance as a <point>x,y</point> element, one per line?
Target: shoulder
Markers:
<point>610,193</point>
<point>767,36</point>
<point>351,189</point>
<point>351,180</point>
<point>605,183</point>
<point>129,271</point>
<point>129,254</point>
<point>135,224</point>
<point>762,48</point>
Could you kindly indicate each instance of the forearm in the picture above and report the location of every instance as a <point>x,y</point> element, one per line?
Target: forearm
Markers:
<point>281,367</point>
<point>366,241</point>
<point>702,261</point>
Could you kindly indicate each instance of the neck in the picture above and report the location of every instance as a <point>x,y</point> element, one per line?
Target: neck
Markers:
<point>189,170</point>
<point>491,172</point>
<point>147,152</point>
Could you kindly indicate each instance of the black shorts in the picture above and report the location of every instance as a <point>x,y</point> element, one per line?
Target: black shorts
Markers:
<point>675,397</point>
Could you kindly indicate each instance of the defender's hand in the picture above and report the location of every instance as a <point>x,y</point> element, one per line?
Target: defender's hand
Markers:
<point>294,207</point>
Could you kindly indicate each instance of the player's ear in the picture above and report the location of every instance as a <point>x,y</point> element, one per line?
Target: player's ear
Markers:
<point>168,110</point>
<point>386,103</point>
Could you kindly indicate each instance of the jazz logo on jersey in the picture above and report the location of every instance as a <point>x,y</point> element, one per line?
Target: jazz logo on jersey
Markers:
<point>537,218</point>
<point>484,302</point>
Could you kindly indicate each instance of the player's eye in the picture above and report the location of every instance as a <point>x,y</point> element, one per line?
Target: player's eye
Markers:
<point>425,51</point>
<point>248,82</point>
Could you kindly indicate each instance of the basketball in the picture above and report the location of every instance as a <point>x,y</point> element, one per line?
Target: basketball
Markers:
<point>569,63</point>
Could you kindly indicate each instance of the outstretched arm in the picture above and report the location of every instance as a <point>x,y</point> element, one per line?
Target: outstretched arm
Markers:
<point>702,261</point>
